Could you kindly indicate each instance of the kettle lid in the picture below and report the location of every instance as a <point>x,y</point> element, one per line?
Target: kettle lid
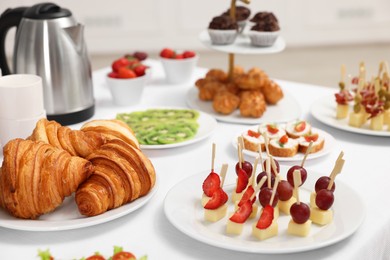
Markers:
<point>46,11</point>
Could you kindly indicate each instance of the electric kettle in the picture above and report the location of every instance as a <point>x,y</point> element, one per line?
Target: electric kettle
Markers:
<point>50,43</point>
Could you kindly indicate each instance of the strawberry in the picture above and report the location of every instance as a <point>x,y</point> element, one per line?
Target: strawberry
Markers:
<point>211,184</point>
<point>179,56</point>
<point>217,200</point>
<point>140,70</point>
<point>243,213</point>
<point>283,139</point>
<point>299,127</point>
<point>247,195</point>
<point>167,53</point>
<point>242,180</point>
<point>311,137</point>
<point>272,129</point>
<point>188,54</point>
<point>113,74</point>
<point>253,133</point>
<point>126,73</point>
<point>266,217</point>
<point>122,62</point>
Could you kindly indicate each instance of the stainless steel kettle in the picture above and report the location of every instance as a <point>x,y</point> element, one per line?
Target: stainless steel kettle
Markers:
<point>50,43</point>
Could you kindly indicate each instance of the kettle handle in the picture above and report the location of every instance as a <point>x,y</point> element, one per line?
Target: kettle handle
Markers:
<point>8,19</point>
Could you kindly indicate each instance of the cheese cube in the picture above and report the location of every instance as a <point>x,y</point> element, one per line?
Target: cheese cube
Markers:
<point>263,234</point>
<point>313,199</point>
<point>234,228</point>
<point>386,117</point>
<point>296,229</point>
<point>284,206</point>
<point>321,217</point>
<point>205,199</point>
<point>356,119</point>
<point>214,215</point>
<point>342,111</point>
<point>377,122</point>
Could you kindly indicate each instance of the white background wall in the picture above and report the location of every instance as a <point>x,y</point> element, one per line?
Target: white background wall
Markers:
<point>116,26</point>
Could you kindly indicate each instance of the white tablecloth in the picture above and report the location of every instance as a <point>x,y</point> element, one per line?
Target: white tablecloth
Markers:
<point>147,230</point>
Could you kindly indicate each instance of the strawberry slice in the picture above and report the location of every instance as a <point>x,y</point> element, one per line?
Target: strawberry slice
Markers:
<point>272,129</point>
<point>266,217</point>
<point>211,184</point>
<point>311,137</point>
<point>247,195</point>
<point>299,127</point>
<point>283,139</point>
<point>242,180</point>
<point>243,213</point>
<point>217,200</point>
<point>252,133</point>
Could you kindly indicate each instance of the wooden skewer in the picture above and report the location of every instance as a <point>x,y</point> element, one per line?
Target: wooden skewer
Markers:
<point>297,182</point>
<point>362,71</point>
<point>254,170</point>
<point>239,154</point>
<point>268,171</point>
<point>307,153</point>
<point>212,157</point>
<point>257,187</point>
<point>336,170</point>
<point>261,157</point>
<point>274,190</point>
<point>343,73</point>
<point>266,141</point>
<point>381,67</point>
<point>377,85</point>
<point>273,165</point>
<point>246,1</point>
<point>224,169</point>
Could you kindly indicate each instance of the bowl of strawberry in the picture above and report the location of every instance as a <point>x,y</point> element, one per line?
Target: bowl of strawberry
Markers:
<point>178,65</point>
<point>128,78</point>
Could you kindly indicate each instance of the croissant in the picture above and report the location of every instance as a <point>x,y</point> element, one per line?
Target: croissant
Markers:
<point>122,174</point>
<point>76,142</point>
<point>36,177</point>
<point>111,129</point>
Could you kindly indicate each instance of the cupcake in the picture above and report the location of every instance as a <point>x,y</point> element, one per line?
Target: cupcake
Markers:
<point>266,30</point>
<point>223,30</point>
<point>242,15</point>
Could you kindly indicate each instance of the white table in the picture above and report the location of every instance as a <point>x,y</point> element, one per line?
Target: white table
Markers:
<point>147,231</point>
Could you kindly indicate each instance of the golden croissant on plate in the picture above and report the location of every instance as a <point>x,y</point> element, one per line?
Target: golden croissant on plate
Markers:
<point>122,174</point>
<point>36,177</point>
<point>75,142</point>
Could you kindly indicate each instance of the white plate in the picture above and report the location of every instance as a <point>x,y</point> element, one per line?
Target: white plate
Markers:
<point>287,109</point>
<point>242,45</point>
<point>183,209</point>
<point>328,147</point>
<point>207,125</point>
<point>324,110</point>
<point>67,216</point>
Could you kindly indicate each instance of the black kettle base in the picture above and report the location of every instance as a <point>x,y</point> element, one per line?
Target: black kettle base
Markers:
<point>73,118</point>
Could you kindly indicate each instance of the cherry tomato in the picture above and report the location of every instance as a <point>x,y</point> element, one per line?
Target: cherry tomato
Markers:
<point>123,256</point>
<point>95,257</point>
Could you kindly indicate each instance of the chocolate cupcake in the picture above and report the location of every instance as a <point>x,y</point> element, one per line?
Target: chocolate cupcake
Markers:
<point>242,15</point>
<point>222,30</point>
<point>266,30</point>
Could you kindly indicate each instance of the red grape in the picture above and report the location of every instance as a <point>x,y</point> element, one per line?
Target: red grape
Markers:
<point>261,175</point>
<point>290,176</point>
<point>324,199</point>
<point>300,213</point>
<point>272,171</point>
<point>265,196</point>
<point>285,190</point>
<point>322,183</point>
<point>246,166</point>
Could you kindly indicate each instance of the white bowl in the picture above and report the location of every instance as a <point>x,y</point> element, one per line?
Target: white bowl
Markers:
<point>179,71</point>
<point>127,92</point>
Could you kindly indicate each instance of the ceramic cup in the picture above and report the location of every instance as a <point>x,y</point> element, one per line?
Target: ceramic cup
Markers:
<point>21,105</point>
<point>127,92</point>
<point>179,71</point>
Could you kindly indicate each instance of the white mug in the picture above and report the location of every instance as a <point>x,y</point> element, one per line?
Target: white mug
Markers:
<point>21,96</point>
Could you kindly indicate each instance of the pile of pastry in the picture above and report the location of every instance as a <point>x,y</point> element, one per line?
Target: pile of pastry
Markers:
<point>101,163</point>
<point>250,91</point>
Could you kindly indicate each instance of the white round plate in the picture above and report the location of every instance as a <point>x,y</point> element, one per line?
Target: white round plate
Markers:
<point>67,216</point>
<point>183,209</point>
<point>324,110</point>
<point>286,110</point>
<point>242,45</point>
<point>328,147</point>
<point>207,125</point>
